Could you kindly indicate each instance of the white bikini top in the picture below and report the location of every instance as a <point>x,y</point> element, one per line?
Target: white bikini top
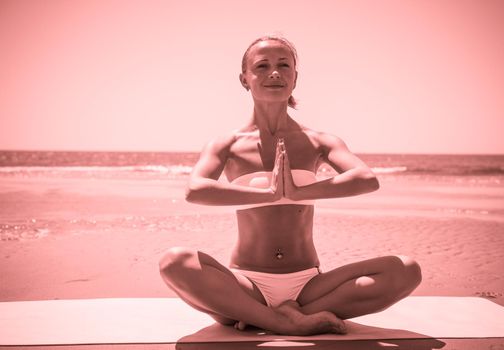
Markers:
<point>261,179</point>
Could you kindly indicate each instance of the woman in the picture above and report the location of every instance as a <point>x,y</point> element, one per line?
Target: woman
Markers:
<point>274,281</point>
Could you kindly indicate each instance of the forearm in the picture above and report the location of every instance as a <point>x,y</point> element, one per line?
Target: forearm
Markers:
<point>213,192</point>
<point>350,183</point>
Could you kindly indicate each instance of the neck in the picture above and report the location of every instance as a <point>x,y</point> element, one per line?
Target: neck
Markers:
<point>271,117</point>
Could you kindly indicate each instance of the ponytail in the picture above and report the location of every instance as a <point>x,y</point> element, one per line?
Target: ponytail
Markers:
<point>292,103</point>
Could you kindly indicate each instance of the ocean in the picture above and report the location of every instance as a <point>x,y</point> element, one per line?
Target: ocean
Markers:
<point>45,193</point>
<point>475,168</point>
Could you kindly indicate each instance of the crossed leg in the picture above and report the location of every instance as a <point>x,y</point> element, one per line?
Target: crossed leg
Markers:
<point>348,291</point>
<point>361,288</point>
<point>210,287</point>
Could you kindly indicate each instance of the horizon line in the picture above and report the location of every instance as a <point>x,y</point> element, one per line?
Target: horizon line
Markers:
<point>187,151</point>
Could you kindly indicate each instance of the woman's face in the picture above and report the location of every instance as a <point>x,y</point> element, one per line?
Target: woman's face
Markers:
<point>271,72</point>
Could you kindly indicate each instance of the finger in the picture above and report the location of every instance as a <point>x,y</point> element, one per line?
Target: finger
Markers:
<point>278,149</point>
<point>281,174</point>
<point>286,160</point>
<point>277,170</point>
<point>286,165</point>
<point>281,153</point>
<point>281,144</point>
<point>343,328</point>
<point>276,182</point>
<point>278,163</point>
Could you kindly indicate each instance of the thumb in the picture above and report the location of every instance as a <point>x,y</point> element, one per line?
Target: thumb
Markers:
<point>282,174</point>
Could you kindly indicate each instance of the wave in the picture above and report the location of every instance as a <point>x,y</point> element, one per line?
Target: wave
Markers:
<point>156,169</point>
<point>180,170</point>
<point>389,170</point>
<point>430,171</point>
<point>159,169</point>
<point>459,171</point>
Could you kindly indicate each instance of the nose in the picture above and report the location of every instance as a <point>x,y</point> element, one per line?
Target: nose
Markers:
<point>274,75</point>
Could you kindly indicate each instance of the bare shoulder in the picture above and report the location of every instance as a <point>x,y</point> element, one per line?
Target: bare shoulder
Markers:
<point>221,144</point>
<point>213,157</point>
<point>323,141</point>
<point>334,151</point>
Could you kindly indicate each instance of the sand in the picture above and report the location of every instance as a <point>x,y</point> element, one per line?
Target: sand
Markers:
<point>455,232</point>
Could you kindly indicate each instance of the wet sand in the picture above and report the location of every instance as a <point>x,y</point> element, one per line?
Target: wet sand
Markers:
<point>114,233</point>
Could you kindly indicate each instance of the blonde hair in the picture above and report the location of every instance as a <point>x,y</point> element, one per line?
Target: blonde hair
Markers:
<point>292,101</point>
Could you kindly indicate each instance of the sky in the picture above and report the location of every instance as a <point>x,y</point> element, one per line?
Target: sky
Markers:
<point>387,76</point>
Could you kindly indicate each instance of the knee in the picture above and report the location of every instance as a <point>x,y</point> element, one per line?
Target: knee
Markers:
<point>175,261</point>
<point>408,274</point>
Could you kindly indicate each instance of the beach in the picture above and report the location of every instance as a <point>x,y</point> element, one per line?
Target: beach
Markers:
<point>66,237</point>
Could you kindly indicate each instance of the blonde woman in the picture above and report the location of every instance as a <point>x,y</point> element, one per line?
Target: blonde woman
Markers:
<point>274,280</point>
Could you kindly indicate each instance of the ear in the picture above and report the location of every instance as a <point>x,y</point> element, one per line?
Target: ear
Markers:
<point>243,81</point>
<point>295,80</point>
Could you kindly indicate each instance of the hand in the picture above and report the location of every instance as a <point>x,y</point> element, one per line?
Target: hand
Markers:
<point>277,178</point>
<point>290,188</point>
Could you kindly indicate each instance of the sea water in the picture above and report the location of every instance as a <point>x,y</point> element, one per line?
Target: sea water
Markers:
<point>480,168</point>
<point>46,193</point>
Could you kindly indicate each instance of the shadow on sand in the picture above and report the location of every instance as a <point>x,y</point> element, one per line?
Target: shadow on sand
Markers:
<point>359,337</point>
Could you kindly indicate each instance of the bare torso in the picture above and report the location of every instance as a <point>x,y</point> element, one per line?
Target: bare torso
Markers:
<point>265,231</point>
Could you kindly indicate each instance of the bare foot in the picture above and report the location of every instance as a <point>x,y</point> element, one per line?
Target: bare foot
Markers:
<point>297,323</point>
<point>240,325</point>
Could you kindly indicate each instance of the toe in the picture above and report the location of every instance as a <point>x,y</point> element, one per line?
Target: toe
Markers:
<point>240,325</point>
<point>341,327</point>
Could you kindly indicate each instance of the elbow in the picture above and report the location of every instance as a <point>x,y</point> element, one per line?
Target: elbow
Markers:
<point>192,192</point>
<point>189,195</point>
<point>369,182</point>
<point>198,190</point>
<point>374,185</point>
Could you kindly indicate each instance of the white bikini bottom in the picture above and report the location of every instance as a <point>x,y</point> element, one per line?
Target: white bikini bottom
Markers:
<point>279,287</point>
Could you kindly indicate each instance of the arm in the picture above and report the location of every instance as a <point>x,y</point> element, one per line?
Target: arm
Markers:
<point>204,187</point>
<point>354,177</point>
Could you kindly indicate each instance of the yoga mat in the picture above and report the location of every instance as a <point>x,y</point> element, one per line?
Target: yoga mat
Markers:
<point>165,320</point>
